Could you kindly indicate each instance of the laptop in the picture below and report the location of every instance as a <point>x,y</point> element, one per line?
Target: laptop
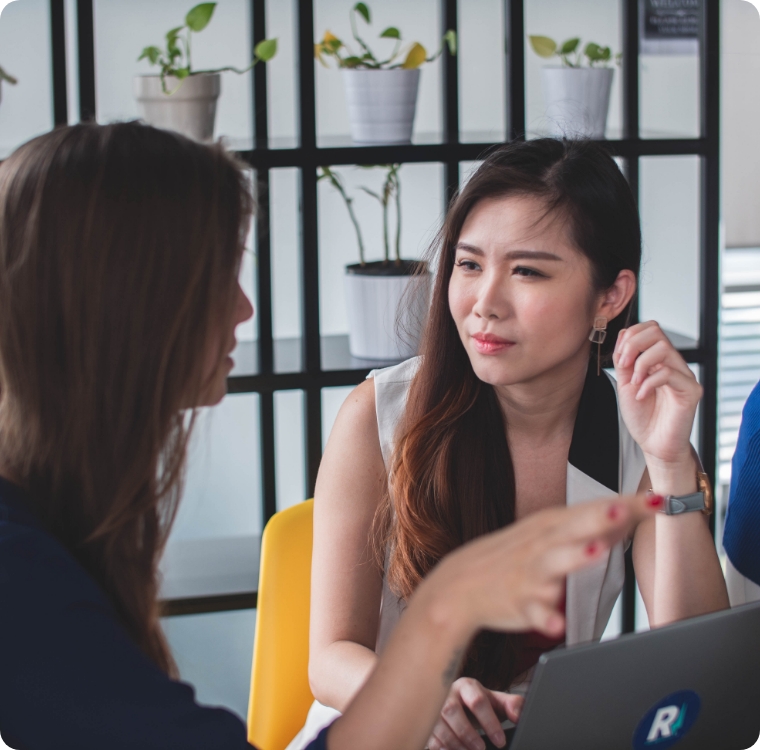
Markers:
<point>694,685</point>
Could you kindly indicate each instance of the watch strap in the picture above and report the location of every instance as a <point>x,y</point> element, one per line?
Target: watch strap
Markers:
<point>675,505</point>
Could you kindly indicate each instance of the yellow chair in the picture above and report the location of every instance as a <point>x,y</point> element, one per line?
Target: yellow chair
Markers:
<point>280,693</point>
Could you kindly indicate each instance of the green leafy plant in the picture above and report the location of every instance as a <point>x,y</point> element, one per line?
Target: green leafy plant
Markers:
<point>594,53</point>
<point>390,193</point>
<point>175,60</point>
<point>400,57</point>
<point>7,77</point>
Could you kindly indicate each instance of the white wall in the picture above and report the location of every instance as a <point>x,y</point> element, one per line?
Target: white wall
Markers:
<point>740,115</point>
<point>27,108</point>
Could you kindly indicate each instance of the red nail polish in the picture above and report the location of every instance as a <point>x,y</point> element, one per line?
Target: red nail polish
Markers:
<point>614,512</point>
<point>655,501</point>
<point>591,548</point>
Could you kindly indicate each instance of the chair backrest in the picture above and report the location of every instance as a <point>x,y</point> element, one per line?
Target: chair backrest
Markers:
<point>280,693</point>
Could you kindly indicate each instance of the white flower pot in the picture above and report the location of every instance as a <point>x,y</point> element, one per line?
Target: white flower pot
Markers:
<point>381,104</point>
<point>385,315</point>
<point>190,110</point>
<point>577,100</point>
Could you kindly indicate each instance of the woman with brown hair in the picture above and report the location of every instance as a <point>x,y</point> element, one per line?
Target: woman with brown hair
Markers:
<point>507,412</point>
<point>120,248</point>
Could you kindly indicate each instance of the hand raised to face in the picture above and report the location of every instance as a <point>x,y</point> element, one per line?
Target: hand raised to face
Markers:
<point>657,392</point>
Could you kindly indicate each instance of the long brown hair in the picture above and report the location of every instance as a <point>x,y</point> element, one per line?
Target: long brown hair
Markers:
<point>119,250</point>
<point>451,476</point>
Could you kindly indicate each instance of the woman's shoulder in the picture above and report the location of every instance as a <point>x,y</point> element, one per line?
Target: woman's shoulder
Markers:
<point>403,372</point>
<point>390,393</point>
<point>37,572</point>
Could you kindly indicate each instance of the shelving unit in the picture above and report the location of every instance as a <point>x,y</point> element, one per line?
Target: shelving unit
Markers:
<point>315,362</point>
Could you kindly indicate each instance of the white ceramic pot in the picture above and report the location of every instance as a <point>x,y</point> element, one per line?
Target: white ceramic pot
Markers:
<point>385,313</point>
<point>381,104</point>
<point>190,110</point>
<point>577,100</point>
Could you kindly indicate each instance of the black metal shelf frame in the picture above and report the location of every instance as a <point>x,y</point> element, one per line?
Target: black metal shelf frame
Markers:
<point>450,152</point>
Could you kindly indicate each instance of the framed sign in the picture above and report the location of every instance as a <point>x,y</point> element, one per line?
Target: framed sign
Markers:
<point>670,27</point>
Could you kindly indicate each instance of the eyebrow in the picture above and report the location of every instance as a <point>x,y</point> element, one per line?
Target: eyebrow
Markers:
<point>512,254</point>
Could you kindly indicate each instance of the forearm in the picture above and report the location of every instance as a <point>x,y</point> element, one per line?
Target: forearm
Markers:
<point>401,700</point>
<point>338,672</point>
<point>688,579</point>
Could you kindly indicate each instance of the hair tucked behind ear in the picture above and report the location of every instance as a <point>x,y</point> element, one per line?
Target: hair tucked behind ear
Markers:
<point>119,250</point>
<point>451,478</point>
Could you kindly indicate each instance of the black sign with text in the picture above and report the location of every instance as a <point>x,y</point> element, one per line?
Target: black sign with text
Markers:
<point>672,19</point>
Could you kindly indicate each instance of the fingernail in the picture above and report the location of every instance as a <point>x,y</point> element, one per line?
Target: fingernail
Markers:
<point>592,548</point>
<point>614,512</point>
<point>499,739</point>
<point>479,745</point>
<point>655,501</point>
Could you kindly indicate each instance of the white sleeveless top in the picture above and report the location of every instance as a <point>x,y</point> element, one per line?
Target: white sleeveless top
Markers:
<point>604,461</point>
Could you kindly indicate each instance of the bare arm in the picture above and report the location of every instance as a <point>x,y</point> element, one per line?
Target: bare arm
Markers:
<point>346,584</point>
<point>677,566</point>
<point>676,563</point>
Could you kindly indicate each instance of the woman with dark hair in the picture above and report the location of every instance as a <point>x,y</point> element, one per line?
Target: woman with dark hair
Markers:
<point>120,248</point>
<point>507,412</point>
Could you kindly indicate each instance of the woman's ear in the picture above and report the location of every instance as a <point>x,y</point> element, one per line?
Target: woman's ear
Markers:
<point>614,300</point>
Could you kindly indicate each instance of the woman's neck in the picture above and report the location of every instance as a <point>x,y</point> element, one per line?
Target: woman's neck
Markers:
<point>546,406</point>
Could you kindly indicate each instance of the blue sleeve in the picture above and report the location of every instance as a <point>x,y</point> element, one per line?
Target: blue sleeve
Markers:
<point>71,677</point>
<point>741,537</point>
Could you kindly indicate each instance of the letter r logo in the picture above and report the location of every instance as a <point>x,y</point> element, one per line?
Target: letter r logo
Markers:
<point>662,726</point>
<point>668,720</point>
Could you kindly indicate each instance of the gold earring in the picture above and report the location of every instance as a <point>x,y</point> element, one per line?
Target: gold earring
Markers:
<point>597,336</point>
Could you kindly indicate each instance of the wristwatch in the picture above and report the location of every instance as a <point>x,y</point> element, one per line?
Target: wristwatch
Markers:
<point>702,500</point>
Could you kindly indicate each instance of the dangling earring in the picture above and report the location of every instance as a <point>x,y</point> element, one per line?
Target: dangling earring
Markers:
<point>597,336</point>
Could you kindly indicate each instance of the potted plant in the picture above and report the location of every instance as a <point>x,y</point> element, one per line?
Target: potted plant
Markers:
<point>385,315</point>
<point>381,94</point>
<point>180,98</point>
<point>577,97</point>
<point>6,77</point>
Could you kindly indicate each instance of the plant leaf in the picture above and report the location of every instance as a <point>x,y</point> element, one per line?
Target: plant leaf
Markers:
<point>172,35</point>
<point>363,11</point>
<point>595,53</point>
<point>151,54</point>
<point>415,57</point>
<point>266,49</point>
<point>351,62</point>
<point>570,46</point>
<point>543,46</point>
<point>450,37</point>
<point>197,18</point>
<point>181,73</point>
<point>391,33</point>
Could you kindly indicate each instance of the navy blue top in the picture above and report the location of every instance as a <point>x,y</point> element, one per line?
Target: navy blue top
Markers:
<point>741,537</point>
<point>70,675</point>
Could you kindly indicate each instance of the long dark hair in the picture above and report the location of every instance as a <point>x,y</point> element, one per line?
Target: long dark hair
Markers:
<point>119,251</point>
<point>451,477</point>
